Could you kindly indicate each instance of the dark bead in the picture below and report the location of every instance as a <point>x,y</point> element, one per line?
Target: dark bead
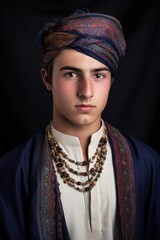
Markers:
<point>59,149</point>
<point>79,183</point>
<point>59,165</point>
<point>84,163</point>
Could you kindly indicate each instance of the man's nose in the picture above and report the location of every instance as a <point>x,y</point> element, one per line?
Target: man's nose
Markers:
<point>85,88</point>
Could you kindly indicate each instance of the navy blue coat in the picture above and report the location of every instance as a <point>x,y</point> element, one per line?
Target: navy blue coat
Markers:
<point>24,172</point>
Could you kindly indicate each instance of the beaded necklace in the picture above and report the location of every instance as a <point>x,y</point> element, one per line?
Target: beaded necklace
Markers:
<point>62,161</point>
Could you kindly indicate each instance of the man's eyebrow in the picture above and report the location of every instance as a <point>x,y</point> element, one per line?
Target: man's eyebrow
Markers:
<point>100,69</point>
<point>80,70</point>
<point>70,68</point>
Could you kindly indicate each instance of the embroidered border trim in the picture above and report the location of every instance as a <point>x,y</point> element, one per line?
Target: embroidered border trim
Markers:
<point>125,179</point>
<point>49,212</point>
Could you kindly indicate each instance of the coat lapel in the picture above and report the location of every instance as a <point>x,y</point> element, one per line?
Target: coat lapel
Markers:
<point>125,183</point>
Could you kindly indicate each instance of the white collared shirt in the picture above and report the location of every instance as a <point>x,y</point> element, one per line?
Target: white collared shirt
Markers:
<point>89,215</point>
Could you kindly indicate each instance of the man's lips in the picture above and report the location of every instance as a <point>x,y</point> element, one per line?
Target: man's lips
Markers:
<point>84,107</point>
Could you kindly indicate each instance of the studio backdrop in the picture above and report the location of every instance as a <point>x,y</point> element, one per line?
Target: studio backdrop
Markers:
<point>134,101</point>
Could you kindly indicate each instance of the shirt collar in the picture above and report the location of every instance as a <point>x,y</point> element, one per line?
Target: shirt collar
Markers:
<point>68,140</point>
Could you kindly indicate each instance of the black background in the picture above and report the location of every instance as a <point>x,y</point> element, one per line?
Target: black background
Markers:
<point>134,101</point>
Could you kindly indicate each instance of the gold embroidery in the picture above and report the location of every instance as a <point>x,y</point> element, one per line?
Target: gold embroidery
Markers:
<point>59,39</point>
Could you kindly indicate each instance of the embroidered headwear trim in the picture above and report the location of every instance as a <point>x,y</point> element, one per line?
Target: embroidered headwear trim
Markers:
<point>97,35</point>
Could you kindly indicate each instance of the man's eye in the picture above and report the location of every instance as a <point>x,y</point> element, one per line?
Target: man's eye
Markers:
<point>100,75</point>
<point>71,75</point>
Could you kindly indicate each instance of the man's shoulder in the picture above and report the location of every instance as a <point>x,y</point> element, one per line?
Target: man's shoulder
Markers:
<point>141,148</point>
<point>25,150</point>
<point>138,147</point>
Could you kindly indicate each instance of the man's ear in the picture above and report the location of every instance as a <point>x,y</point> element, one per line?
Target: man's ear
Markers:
<point>45,78</point>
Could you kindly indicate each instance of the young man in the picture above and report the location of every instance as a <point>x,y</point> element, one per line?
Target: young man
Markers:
<point>80,178</point>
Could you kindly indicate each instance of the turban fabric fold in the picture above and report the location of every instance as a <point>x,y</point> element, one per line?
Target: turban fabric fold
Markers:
<point>97,35</point>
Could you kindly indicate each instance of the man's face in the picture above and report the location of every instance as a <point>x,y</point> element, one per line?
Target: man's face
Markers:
<point>80,87</point>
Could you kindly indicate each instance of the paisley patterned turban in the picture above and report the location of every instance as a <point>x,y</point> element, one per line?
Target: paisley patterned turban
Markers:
<point>97,35</point>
